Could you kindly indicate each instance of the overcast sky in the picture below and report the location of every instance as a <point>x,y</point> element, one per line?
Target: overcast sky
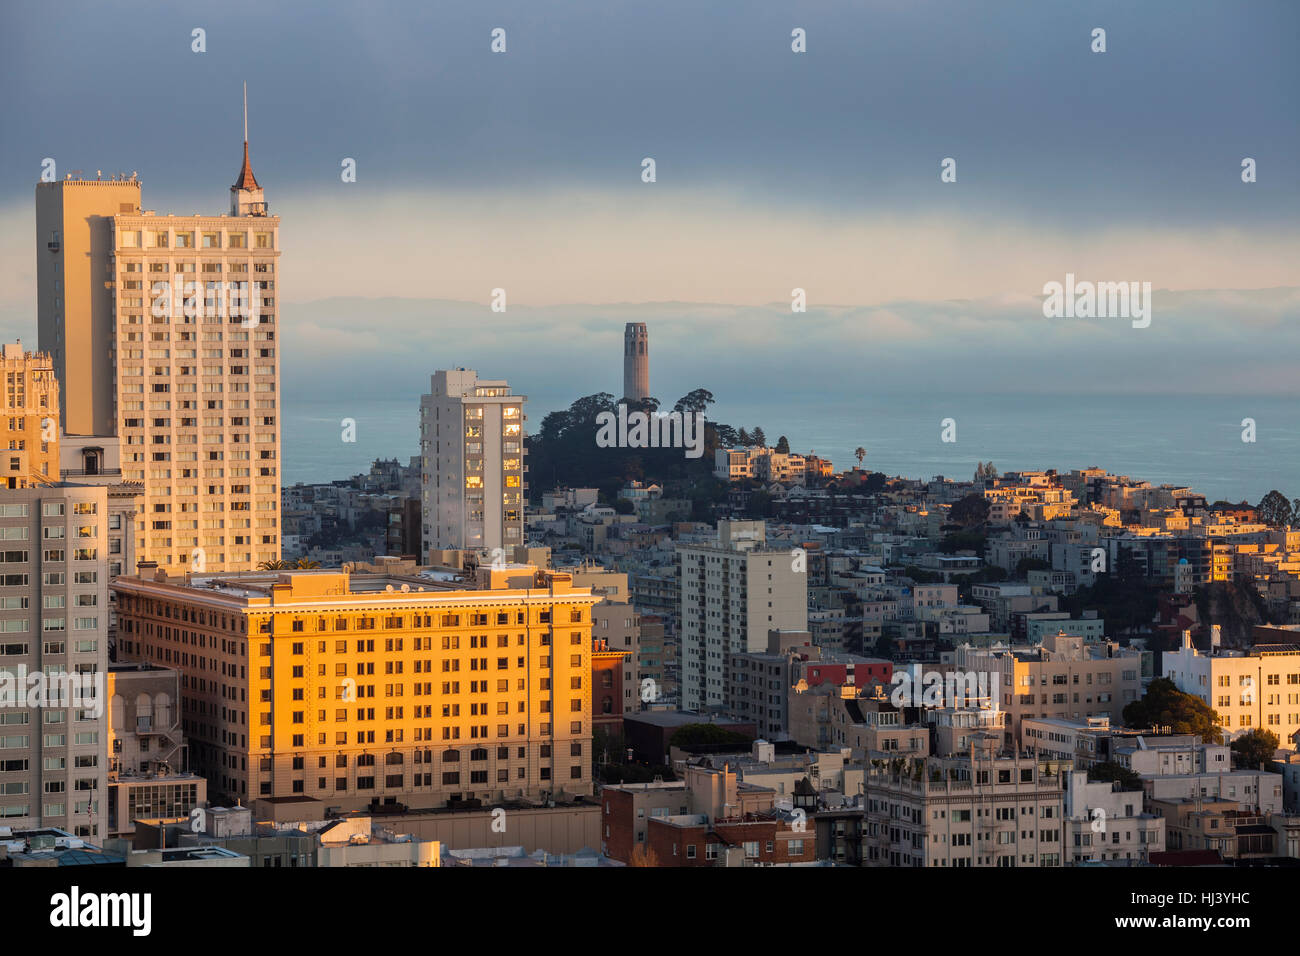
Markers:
<point>775,170</point>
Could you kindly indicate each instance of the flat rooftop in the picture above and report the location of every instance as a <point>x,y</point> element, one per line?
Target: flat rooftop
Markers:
<point>313,589</point>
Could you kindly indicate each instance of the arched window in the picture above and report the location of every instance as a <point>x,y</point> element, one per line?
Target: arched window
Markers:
<point>162,709</point>
<point>143,712</point>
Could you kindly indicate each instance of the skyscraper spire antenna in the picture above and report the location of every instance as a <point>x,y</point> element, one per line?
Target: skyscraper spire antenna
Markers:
<point>246,197</point>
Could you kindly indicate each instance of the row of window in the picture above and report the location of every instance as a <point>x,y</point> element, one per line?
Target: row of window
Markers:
<point>178,239</point>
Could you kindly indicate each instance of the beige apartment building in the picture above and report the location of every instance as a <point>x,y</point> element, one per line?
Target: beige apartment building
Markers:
<point>616,625</point>
<point>93,460</point>
<point>162,329</point>
<point>148,766</point>
<point>76,292</point>
<point>339,689</point>
<point>733,592</point>
<point>29,427</point>
<point>1103,823</point>
<point>1064,677</point>
<point>1256,688</point>
<point>53,657</point>
<point>973,811</point>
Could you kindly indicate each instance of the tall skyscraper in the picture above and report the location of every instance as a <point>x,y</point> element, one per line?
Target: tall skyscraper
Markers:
<point>472,463</point>
<point>636,361</point>
<point>162,330</point>
<point>76,292</point>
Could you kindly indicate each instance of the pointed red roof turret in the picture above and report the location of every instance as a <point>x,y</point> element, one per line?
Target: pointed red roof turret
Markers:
<point>246,178</point>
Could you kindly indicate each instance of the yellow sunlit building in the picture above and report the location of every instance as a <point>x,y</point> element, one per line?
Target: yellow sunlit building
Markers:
<point>29,425</point>
<point>351,689</point>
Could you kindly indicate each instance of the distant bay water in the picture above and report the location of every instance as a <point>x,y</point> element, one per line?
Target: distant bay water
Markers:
<point>1193,440</point>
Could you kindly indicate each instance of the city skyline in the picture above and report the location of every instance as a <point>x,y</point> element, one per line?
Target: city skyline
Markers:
<point>890,257</point>
<point>347,523</point>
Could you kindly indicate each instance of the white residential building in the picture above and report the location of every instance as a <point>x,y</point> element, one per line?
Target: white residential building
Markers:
<point>1103,823</point>
<point>472,463</point>
<point>54,638</point>
<point>734,590</point>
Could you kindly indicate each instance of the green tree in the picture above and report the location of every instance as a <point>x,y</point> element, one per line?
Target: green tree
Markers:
<point>1114,773</point>
<point>783,446</point>
<point>860,453</point>
<point>623,506</point>
<point>971,510</point>
<point>759,438</point>
<point>971,539</point>
<point>1025,565</point>
<point>1255,749</point>
<point>690,735</point>
<point>697,400</point>
<point>1164,705</point>
<point>1274,510</point>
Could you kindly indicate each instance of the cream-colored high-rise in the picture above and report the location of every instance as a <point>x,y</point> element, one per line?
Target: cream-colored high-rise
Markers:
<point>472,463</point>
<point>192,360</point>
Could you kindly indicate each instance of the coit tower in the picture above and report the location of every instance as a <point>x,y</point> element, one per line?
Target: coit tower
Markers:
<point>636,361</point>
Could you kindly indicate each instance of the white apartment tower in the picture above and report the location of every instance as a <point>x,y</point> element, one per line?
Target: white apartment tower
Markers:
<point>54,658</point>
<point>733,591</point>
<point>472,463</point>
<point>163,334</point>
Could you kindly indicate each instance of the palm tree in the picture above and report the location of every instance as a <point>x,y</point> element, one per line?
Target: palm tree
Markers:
<point>306,564</point>
<point>861,453</point>
<point>274,566</point>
